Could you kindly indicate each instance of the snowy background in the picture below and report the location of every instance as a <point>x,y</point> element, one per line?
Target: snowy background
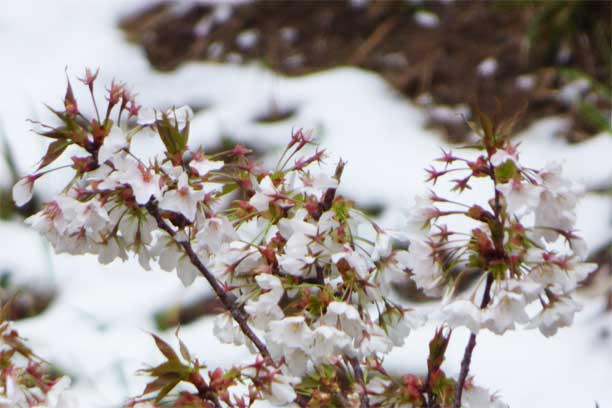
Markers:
<point>96,328</point>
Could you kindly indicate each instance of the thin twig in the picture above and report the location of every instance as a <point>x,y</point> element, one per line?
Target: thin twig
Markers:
<point>228,302</point>
<point>486,297</point>
<point>365,400</point>
<point>330,193</point>
<point>204,390</point>
<point>469,348</point>
<point>375,38</point>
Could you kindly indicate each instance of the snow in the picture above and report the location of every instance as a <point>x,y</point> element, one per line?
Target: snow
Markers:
<point>96,329</point>
<point>487,67</point>
<point>426,19</point>
<point>247,39</point>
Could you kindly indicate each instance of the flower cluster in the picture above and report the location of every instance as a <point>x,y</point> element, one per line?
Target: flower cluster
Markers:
<point>294,263</point>
<point>520,243</point>
<point>25,380</point>
<point>302,273</point>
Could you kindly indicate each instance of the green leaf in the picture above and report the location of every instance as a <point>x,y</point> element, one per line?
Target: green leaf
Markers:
<point>487,126</point>
<point>594,117</point>
<point>169,367</point>
<point>70,102</point>
<point>165,349</point>
<point>59,133</point>
<point>437,350</point>
<point>166,390</point>
<point>182,347</point>
<point>498,269</point>
<point>54,151</point>
<point>505,171</point>
<point>158,384</point>
<point>174,140</point>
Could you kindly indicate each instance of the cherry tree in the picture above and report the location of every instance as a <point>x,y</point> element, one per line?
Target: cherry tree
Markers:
<point>303,274</point>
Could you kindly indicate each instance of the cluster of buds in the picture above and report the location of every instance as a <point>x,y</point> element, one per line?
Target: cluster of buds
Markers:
<point>520,242</point>
<point>302,273</point>
<point>25,379</point>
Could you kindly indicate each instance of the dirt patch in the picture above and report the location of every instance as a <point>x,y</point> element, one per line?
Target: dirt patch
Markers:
<point>446,55</point>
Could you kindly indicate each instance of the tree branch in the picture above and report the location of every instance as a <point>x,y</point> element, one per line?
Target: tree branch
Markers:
<point>228,302</point>
<point>498,242</point>
<point>204,390</point>
<point>469,348</point>
<point>365,400</point>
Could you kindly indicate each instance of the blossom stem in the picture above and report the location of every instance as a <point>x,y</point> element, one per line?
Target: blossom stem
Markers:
<point>469,348</point>
<point>330,194</point>
<point>228,302</point>
<point>365,401</point>
<point>204,390</point>
<point>498,242</point>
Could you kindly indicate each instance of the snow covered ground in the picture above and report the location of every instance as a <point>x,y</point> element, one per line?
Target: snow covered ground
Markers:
<point>97,327</point>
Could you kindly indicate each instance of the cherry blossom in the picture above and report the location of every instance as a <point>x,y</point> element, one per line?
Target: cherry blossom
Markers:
<point>183,200</point>
<point>22,190</point>
<point>266,308</point>
<point>419,217</point>
<point>463,312</point>
<point>559,313</point>
<point>303,275</point>
<point>281,389</point>
<point>507,309</point>
<point>520,195</point>
<point>115,142</point>
<point>203,165</point>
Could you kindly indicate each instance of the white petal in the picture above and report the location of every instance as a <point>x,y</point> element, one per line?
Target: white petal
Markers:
<point>22,191</point>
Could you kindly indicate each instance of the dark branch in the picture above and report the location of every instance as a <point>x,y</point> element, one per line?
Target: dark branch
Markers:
<point>228,301</point>
<point>204,390</point>
<point>365,401</point>
<point>469,348</point>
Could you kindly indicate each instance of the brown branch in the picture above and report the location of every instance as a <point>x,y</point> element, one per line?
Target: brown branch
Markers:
<point>365,401</point>
<point>228,301</point>
<point>330,193</point>
<point>204,390</point>
<point>375,38</point>
<point>469,348</point>
<point>498,241</point>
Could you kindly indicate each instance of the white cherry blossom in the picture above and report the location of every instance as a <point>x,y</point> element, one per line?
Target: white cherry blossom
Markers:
<point>344,317</point>
<point>328,342</point>
<point>265,308</point>
<point>419,217</point>
<point>504,312</point>
<point>203,166</point>
<point>520,195</point>
<point>265,193</point>
<point>374,342</point>
<point>398,325</point>
<point>144,182</point>
<point>462,312</point>
<point>297,259</point>
<point>382,246</point>
<point>182,200</point>
<point>504,155</point>
<point>227,330</point>
<point>318,184</point>
<point>479,397</point>
<point>114,142</point>
<point>426,273</point>
<point>559,313</point>
<point>292,339</point>
<point>282,390</point>
<point>22,190</point>
<point>356,259</point>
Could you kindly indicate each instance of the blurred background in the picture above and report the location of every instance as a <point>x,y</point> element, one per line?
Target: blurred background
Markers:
<point>383,84</point>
